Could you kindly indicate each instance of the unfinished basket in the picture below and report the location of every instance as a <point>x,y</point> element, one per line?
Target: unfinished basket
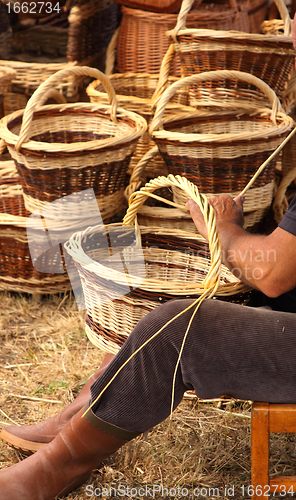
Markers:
<point>16,269</point>
<point>134,92</point>
<point>220,151</point>
<point>176,264</point>
<point>61,149</point>
<point>142,39</point>
<point>268,57</point>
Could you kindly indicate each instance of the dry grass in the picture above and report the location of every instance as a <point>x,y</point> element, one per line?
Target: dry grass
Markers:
<point>45,359</point>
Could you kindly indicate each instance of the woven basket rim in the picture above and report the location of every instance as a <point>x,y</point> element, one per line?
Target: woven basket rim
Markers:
<point>237,36</point>
<point>283,125</point>
<point>11,139</point>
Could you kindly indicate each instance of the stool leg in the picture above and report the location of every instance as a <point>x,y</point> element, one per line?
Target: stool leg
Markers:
<point>260,451</point>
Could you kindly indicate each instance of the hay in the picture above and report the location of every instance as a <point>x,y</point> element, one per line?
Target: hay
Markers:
<point>44,361</point>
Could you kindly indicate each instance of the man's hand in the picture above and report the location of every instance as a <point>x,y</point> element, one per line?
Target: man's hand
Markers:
<point>227,210</point>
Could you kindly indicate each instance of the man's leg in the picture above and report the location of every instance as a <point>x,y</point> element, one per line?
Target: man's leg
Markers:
<point>244,352</point>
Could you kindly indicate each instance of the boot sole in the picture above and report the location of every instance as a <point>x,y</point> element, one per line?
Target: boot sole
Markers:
<point>22,445</point>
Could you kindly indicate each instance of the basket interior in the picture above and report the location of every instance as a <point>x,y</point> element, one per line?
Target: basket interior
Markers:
<point>69,126</point>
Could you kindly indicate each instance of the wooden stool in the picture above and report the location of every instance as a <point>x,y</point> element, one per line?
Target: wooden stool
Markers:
<point>267,418</point>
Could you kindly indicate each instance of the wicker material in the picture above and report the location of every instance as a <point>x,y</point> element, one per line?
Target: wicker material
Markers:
<point>177,264</point>
<point>143,42</point>
<point>257,14</point>
<point>16,269</point>
<point>60,149</point>
<point>220,151</point>
<point>268,57</point>
<point>134,92</point>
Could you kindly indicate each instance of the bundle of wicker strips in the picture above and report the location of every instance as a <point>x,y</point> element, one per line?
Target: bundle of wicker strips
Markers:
<point>220,150</point>
<point>17,272</point>
<point>61,149</point>
<point>145,267</point>
<point>269,57</point>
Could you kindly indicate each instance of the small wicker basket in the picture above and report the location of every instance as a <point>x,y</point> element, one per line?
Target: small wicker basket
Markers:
<point>220,151</point>
<point>61,149</point>
<point>176,264</point>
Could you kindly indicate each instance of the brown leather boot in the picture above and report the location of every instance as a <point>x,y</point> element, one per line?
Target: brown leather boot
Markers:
<point>63,464</point>
<point>30,438</point>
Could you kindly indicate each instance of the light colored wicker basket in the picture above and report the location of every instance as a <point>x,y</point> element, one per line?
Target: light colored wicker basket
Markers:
<point>61,149</point>
<point>177,264</point>
<point>142,40</point>
<point>268,57</point>
<point>221,150</point>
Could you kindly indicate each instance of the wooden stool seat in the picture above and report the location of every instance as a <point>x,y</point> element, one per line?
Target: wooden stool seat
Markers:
<point>267,418</point>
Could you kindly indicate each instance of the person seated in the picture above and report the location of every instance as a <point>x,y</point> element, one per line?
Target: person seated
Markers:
<point>240,351</point>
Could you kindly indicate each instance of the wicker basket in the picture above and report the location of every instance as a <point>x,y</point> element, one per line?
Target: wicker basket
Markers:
<point>142,40</point>
<point>16,269</point>
<point>220,151</point>
<point>61,149</point>
<point>177,264</point>
<point>257,202</point>
<point>134,92</point>
<point>269,57</point>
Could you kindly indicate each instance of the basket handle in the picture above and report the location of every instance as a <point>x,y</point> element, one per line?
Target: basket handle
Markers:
<point>185,9</point>
<point>53,80</point>
<point>111,53</point>
<point>137,176</point>
<point>138,198</point>
<point>285,16</point>
<point>157,122</point>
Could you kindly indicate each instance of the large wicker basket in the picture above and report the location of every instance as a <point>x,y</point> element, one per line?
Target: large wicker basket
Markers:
<point>142,39</point>
<point>61,149</point>
<point>220,151</point>
<point>269,57</point>
<point>17,272</point>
